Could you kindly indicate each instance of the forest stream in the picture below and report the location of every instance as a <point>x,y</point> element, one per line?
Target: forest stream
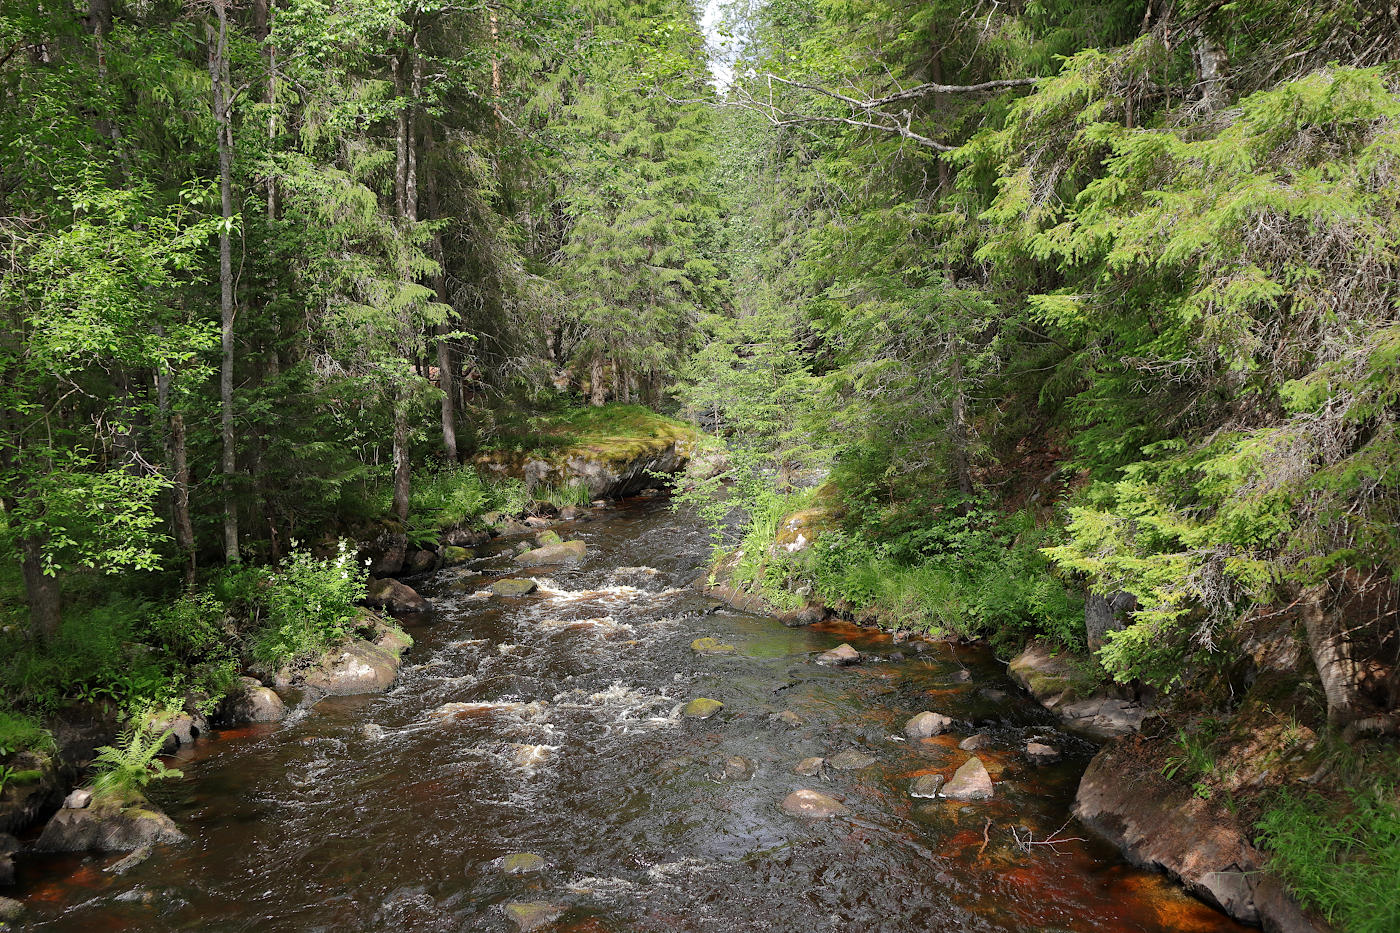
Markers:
<point>551,725</point>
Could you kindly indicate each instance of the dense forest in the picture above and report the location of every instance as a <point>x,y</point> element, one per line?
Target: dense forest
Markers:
<point>1050,321</point>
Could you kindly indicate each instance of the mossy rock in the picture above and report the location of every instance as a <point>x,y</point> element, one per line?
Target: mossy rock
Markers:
<point>711,646</point>
<point>453,556</point>
<point>514,587</point>
<point>523,863</point>
<point>701,708</point>
<point>546,538</point>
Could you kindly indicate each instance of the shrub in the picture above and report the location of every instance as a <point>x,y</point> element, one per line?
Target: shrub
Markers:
<point>19,733</point>
<point>310,603</point>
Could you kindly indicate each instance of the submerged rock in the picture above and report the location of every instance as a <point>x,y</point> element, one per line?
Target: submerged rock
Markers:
<point>514,587</point>
<point>108,826</point>
<point>393,596</point>
<point>970,782</point>
<point>813,805</point>
<point>840,656</point>
<point>563,553</point>
<point>701,708</point>
<point>852,760</point>
<point>420,561</point>
<point>926,724</point>
<point>523,863</point>
<point>738,768</point>
<point>711,646</point>
<point>926,785</point>
<point>810,767</point>
<point>529,916</point>
<point>974,742</point>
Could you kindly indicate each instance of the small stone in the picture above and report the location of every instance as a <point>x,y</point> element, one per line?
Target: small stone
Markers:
<point>125,865</point>
<point>533,915</point>
<point>840,656</point>
<point>788,718</point>
<point>78,799</point>
<point>810,767</point>
<point>1042,754</point>
<point>711,646</point>
<point>372,731</point>
<point>974,742</point>
<point>926,724</point>
<point>523,863</point>
<point>926,785</point>
<point>852,760</point>
<point>970,782</point>
<point>963,676</point>
<point>514,587</point>
<point>738,768</point>
<point>701,708</point>
<point>538,521</point>
<point>813,805</point>
<point>10,909</point>
<point>569,512</point>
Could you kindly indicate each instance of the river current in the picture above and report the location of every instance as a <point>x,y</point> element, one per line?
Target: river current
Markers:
<point>550,725</point>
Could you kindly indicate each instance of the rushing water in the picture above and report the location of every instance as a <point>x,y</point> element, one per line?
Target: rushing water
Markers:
<point>393,812</point>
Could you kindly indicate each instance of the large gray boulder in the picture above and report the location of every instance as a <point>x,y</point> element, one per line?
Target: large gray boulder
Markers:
<point>108,826</point>
<point>251,701</point>
<point>355,666</point>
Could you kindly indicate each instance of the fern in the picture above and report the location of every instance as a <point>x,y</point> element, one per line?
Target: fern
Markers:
<point>123,770</point>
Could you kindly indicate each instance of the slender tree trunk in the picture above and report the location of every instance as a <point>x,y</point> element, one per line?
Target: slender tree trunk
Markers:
<point>1331,653</point>
<point>406,196</point>
<point>42,590</point>
<point>219,75</point>
<point>1212,65</point>
<point>597,395</point>
<point>180,468</point>
<point>402,471</point>
<point>447,374</point>
<point>264,13</point>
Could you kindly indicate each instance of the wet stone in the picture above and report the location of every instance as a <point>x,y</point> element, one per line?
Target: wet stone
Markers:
<point>809,767</point>
<point>514,587</point>
<point>974,742</point>
<point>523,863</point>
<point>840,656</point>
<point>852,760</point>
<point>738,768</point>
<point>533,915</point>
<point>970,782</point>
<point>926,724</point>
<point>1042,754</point>
<point>701,708</point>
<point>926,785</point>
<point>813,805</point>
<point>78,799</point>
<point>711,646</point>
<point>963,676</point>
<point>10,909</point>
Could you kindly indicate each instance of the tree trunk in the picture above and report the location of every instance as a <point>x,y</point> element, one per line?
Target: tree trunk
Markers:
<point>402,472</point>
<point>447,374</point>
<point>42,591</point>
<point>597,395</point>
<point>1331,653</point>
<point>219,75</point>
<point>264,12</point>
<point>1212,64</point>
<point>958,435</point>
<point>180,468</point>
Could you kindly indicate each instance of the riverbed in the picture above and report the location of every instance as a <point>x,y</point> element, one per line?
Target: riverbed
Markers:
<point>550,725</point>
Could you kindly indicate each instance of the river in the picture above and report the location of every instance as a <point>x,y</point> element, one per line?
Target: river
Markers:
<point>394,812</point>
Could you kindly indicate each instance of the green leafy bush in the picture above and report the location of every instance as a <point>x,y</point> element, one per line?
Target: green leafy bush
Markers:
<point>19,733</point>
<point>310,603</point>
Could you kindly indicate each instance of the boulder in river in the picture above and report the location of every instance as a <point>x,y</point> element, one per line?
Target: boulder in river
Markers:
<point>970,782</point>
<point>454,555</point>
<point>546,538</point>
<point>1042,754</point>
<point>108,826</point>
<point>562,553</point>
<point>926,785</point>
<point>420,561</point>
<point>514,587</point>
<point>926,724</point>
<point>393,596</point>
<point>852,760</point>
<point>529,916</point>
<point>701,708</point>
<point>813,805</point>
<point>355,666</point>
<point>810,767</point>
<point>251,701</point>
<point>523,863</point>
<point>711,646</point>
<point>840,656</point>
